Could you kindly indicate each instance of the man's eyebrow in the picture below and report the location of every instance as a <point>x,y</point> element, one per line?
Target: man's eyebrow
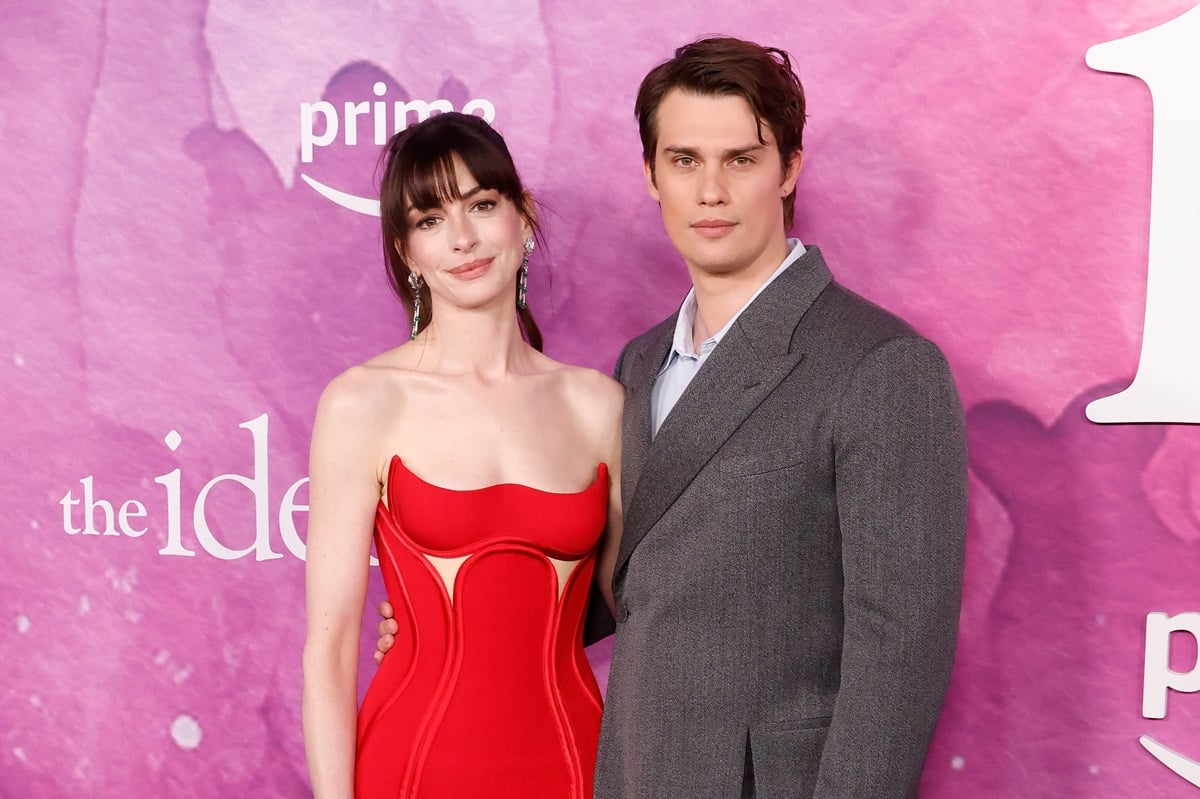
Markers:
<point>732,152</point>
<point>680,150</point>
<point>736,152</point>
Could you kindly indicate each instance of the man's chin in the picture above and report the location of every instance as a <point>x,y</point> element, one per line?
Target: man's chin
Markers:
<point>715,266</point>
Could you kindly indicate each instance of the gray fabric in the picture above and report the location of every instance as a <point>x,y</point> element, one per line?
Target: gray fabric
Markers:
<point>789,575</point>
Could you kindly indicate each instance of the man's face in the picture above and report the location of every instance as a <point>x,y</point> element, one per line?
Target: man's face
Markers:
<point>720,189</point>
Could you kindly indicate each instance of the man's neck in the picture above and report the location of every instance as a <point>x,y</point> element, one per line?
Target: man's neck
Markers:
<point>720,296</point>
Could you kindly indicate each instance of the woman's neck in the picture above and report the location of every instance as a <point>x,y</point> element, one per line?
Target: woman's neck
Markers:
<point>474,341</point>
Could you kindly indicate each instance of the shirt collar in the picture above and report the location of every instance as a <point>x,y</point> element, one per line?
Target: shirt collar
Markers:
<point>681,345</point>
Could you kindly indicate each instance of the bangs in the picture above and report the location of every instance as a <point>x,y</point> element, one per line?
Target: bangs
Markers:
<point>430,182</point>
<point>429,177</point>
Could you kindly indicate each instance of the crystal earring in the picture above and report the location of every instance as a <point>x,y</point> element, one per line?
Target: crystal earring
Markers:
<point>523,274</point>
<point>415,282</point>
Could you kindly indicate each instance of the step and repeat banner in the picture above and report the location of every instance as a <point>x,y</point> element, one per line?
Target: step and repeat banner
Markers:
<point>189,257</point>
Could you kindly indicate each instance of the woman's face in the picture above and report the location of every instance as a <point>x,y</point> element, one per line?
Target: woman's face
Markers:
<point>468,250</point>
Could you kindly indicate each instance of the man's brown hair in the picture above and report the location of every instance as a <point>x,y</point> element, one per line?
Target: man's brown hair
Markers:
<point>723,66</point>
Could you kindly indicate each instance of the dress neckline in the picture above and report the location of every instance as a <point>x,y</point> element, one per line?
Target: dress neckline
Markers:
<point>601,471</point>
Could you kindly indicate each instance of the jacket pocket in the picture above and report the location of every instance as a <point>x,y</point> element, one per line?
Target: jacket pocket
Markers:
<point>786,756</point>
<point>759,463</point>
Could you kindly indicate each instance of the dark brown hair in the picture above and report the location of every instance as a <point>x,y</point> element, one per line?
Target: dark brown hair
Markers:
<point>723,66</point>
<point>418,172</point>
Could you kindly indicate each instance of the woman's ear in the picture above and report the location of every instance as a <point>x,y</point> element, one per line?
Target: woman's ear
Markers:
<point>528,214</point>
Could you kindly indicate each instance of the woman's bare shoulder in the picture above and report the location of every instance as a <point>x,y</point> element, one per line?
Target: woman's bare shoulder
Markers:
<point>596,386</point>
<point>377,384</point>
<point>592,393</point>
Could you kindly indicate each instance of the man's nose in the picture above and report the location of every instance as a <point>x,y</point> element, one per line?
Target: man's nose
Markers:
<point>713,190</point>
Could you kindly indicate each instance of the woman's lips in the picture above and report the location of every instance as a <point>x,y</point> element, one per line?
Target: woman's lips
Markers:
<point>471,269</point>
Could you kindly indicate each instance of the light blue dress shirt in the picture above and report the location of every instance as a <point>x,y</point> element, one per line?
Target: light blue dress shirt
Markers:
<point>684,362</point>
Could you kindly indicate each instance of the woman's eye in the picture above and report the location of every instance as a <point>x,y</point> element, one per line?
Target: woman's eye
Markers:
<point>485,205</point>
<point>425,223</point>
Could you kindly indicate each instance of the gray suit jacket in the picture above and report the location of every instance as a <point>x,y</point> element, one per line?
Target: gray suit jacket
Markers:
<point>789,576</point>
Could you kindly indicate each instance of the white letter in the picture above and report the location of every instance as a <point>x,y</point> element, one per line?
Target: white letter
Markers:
<point>68,502</point>
<point>131,508</point>
<point>258,487</point>
<point>423,110</point>
<point>1166,387</point>
<point>480,104</point>
<point>1158,677</point>
<point>353,111</point>
<point>89,510</point>
<point>307,137</point>
<point>380,110</point>
<point>174,546</point>
<point>287,524</point>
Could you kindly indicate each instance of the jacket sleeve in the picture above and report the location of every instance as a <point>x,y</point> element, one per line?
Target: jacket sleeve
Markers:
<point>901,483</point>
<point>598,623</point>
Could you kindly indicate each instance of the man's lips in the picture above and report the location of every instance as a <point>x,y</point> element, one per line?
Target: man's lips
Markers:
<point>471,269</point>
<point>713,228</point>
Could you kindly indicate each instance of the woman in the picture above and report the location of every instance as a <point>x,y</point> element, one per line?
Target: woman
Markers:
<point>486,472</point>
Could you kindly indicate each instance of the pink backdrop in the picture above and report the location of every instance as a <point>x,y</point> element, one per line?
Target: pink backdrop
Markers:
<point>166,269</point>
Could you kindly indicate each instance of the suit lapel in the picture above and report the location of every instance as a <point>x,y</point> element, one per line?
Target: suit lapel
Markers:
<point>639,380</point>
<point>751,360</point>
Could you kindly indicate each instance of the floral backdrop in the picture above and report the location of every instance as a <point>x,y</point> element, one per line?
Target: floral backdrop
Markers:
<point>175,293</point>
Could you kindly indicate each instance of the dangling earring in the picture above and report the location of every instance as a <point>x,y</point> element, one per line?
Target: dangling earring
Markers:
<point>523,273</point>
<point>415,282</point>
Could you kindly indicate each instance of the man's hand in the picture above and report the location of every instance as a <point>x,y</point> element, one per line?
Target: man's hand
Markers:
<point>387,631</point>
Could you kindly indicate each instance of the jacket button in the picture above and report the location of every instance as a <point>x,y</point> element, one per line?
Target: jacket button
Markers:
<point>622,611</point>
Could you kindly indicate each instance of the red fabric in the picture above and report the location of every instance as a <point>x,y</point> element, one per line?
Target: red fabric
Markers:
<point>488,695</point>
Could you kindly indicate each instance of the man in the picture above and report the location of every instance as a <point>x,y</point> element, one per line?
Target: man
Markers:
<point>794,481</point>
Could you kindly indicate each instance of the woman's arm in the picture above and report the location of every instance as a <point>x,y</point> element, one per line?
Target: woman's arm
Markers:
<point>343,495</point>
<point>612,405</point>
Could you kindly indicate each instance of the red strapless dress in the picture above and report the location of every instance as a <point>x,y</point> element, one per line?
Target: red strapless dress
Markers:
<point>487,692</point>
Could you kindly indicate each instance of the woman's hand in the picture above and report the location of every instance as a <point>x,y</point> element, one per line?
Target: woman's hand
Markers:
<point>387,631</point>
